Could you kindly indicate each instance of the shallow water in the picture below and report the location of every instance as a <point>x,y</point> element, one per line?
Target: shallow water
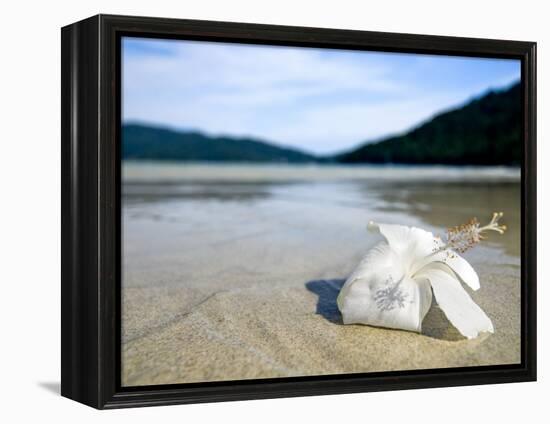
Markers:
<point>204,204</point>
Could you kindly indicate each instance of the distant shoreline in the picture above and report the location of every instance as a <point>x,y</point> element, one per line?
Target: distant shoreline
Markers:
<point>143,171</point>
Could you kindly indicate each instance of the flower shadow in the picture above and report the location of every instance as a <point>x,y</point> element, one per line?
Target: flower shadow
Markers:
<point>435,324</point>
<point>327,292</point>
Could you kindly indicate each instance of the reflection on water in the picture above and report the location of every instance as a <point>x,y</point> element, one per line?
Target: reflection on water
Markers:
<point>437,197</point>
<point>445,204</point>
<point>136,193</point>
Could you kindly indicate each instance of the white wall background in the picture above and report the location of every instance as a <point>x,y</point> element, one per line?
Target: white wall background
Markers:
<point>30,212</point>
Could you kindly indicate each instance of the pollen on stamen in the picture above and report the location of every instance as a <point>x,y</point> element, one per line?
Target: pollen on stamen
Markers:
<point>465,236</point>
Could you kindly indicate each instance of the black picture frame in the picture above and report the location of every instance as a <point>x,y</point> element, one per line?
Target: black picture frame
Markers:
<point>90,222</point>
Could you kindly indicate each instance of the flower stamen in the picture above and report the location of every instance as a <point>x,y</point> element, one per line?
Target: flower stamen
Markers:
<point>465,236</point>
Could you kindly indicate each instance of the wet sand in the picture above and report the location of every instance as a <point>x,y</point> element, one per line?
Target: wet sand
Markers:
<point>232,272</point>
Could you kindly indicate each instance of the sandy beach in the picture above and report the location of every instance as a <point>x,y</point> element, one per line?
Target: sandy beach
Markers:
<point>232,272</point>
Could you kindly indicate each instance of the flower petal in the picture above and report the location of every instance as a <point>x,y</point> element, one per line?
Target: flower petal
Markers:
<point>462,268</point>
<point>454,262</point>
<point>406,240</point>
<point>378,293</point>
<point>379,257</point>
<point>457,304</point>
<point>425,296</point>
<point>416,248</point>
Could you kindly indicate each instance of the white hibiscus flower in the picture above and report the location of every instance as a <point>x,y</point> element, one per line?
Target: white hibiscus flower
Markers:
<point>392,286</point>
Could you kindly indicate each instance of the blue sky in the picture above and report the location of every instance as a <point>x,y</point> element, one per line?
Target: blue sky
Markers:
<point>318,100</point>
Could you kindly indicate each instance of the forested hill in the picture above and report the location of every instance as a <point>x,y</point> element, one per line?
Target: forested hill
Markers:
<point>153,143</point>
<point>486,131</point>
